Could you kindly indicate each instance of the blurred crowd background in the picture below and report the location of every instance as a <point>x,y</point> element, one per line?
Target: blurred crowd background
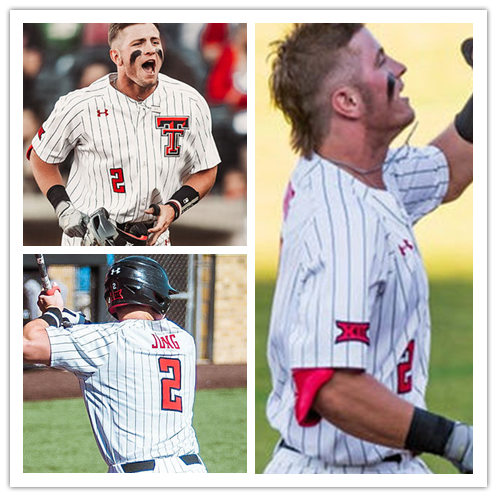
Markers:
<point>61,57</point>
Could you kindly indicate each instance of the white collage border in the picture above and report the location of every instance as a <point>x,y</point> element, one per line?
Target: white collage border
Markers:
<point>17,478</point>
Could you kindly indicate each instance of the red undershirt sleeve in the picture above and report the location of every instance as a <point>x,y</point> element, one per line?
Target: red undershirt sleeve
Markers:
<point>307,383</point>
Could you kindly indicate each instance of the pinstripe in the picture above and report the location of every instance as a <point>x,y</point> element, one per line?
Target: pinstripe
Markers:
<point>330,223</point>
<point>126,138</point>
<point>349,253</point>
<point>122,387</point>
<point>289,462</point>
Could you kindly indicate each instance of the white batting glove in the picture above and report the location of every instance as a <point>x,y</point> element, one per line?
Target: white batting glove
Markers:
<point>73,317</point>
<point>459,448</point>
<point>72,221</point>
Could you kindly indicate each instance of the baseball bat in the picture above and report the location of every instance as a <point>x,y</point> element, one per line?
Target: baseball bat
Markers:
<point>42,268</point>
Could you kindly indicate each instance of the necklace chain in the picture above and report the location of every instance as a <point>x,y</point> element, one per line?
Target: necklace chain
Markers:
<point>367,172</point>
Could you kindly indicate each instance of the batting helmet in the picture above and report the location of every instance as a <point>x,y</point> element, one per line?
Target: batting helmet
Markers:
<point>137,280</point>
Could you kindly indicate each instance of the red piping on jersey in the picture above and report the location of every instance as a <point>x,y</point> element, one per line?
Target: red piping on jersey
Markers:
<point>28,152</point>
<point>308,381</point>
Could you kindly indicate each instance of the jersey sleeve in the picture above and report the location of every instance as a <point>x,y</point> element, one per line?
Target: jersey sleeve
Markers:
<point>307,384</point>
<point>60,133</point>
<point>205,153</point>
<point>420,176</point>
<point>81,349</point>
<point>334,279</point>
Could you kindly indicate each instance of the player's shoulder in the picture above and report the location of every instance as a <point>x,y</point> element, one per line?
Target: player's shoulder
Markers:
<point>107,328</point>
<point>168,84</point>
<point>78,99</point>
<point>402,160</point>
<point>318,180</point>
<point>174,327</point>
<point>163,325</point>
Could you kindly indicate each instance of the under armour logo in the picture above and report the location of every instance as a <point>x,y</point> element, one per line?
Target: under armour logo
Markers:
<point>104,112</point>
<point>407,246</point>
<point>352,332</point>
<point>115,270</point>
<point>173,128</point>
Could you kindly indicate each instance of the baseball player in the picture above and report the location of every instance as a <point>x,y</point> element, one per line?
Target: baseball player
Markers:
<point>137,375</point>
<point>142,145</point>
<point>350,327</point>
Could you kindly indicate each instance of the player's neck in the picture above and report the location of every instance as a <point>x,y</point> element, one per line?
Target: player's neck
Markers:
<point>129,88</point>
<point>359,157</point>
<point>138,312</point>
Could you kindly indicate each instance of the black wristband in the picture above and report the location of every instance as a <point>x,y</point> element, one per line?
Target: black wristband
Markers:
<point>464,121</point>
<point>53,316</point>
<point>176,208</point>
<point>183,199</point>
<point>428,432</point>
<point>57,194</point>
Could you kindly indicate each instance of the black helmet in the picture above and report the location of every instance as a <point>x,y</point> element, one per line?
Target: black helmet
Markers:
<point>137,280</point>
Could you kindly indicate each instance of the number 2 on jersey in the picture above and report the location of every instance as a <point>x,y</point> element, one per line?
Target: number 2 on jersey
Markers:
<point>170,400</point>
<point>117,177</point>
<point>404,369</point>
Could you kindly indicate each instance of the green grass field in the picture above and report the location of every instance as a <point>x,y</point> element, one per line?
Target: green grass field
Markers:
<point>58,436</point>
<point>450,390</point>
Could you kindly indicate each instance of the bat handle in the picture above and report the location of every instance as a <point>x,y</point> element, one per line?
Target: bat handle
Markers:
<point>45,280</point>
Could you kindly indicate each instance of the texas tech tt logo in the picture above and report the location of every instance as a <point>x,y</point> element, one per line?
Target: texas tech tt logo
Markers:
<point>173,128</point>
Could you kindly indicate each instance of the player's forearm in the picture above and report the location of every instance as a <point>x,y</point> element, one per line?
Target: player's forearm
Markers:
<point>203,181</point>
<point>459,155</point>
<point>45,175</point>
<point>456,141</point>
<point>359,405</point>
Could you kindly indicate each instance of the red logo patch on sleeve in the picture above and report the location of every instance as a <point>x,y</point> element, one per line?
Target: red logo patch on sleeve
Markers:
<point>40,132</point>
<point>352,332</point>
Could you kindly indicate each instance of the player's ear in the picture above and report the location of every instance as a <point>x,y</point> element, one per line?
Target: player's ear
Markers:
<point>115,56</point>
<point>347,102</point>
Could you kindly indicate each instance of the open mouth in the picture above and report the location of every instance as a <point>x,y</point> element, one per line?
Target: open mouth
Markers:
<point>149,66</point>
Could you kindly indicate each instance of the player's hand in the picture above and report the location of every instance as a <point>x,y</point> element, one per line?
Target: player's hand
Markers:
<point>164,220</point>
<point>72,317</point>
<point>459,448</point>
<point>72,221</point>
<point>52,298</point>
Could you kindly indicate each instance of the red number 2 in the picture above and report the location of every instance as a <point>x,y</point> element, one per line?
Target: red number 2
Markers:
<point>170,400</point>
<point>404,369</point>
<point>117,177</point>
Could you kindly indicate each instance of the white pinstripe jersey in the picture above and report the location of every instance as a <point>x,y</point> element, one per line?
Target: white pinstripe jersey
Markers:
<point>128,154</point>
<point>351,290</point>
<point>138,382</point>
